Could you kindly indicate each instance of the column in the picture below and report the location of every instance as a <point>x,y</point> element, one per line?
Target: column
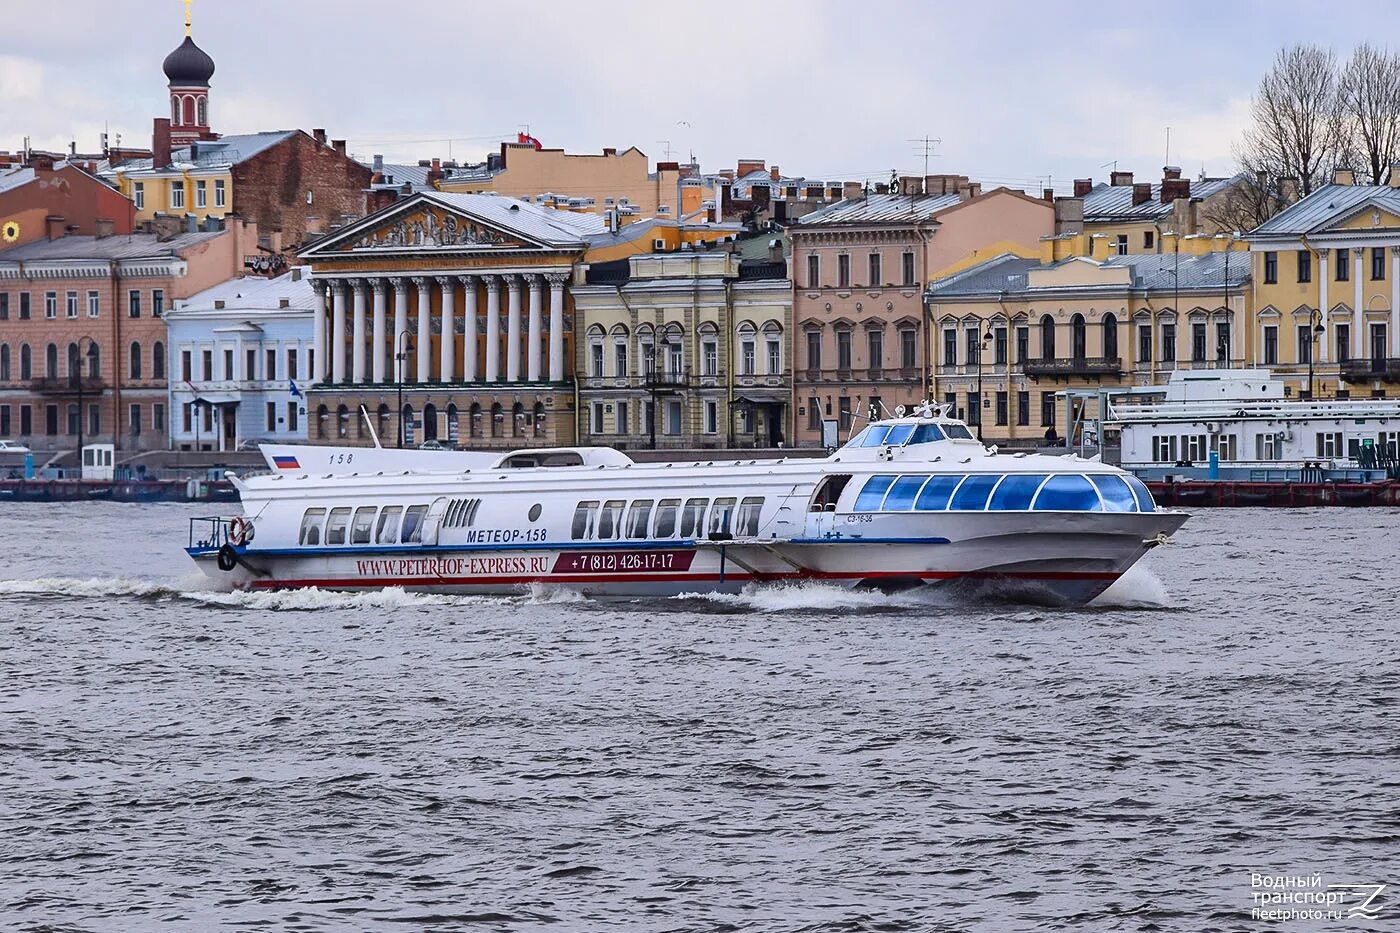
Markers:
<point>318,333</point>
<point>1322,307</point>
<point>1360,343</point>
<point>400,345</point>
<point>535,336</point>
<point>425,313</point>
<point>1395,301</point>
<point>513,329</point>
<point>447,364</point>
<point>469,336</point>
<point>338,333</point>
<point>556,326</point>
<point>377,346</point>
<point>493,328</point>
<point>357,335</point>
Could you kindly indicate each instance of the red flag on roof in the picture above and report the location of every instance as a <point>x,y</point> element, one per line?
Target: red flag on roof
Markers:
<point>525,139</point>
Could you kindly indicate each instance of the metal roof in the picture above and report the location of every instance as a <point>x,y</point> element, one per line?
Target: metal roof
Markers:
<point>545,224</point>
<point>257,294</point>
<point>882,208</point>
<point>1325,206</point>
<point>1004,273</point>
<point>15,177</point>
<point>1115,202</point>
<point>129,246</point>
<point>1151,272</point>
<point>226,150</point>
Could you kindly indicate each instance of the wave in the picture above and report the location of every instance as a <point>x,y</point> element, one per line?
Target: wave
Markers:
<point>1138,588</point>
<point>203,593</point>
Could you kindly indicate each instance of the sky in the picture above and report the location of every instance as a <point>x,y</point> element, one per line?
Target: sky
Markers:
<point>1016,94</point>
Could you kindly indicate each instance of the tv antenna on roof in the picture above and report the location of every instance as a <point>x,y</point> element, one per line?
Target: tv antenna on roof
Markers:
<point>925,145</point>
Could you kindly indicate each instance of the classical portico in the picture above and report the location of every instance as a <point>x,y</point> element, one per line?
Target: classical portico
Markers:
<point>459,303</point>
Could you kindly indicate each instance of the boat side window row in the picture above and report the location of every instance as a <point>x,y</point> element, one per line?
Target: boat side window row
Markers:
<point>995,492</point>
<point>460,513</point>
<point>392,524</point>
<point>641,519</point>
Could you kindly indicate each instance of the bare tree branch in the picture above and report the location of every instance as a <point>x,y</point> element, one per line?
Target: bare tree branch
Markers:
<point>1369,90</point>
<point>1299,127</point>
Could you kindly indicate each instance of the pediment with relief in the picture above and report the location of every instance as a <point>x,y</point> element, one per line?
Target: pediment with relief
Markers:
<point>432,228</point>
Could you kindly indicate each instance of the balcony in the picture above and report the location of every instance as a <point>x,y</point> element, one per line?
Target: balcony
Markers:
<point>666,379</point>
<point>1096,366</point>
<point>1385,370</point>
<point>67,385</point>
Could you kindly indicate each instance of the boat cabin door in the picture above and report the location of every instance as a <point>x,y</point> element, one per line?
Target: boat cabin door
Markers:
<point>821,510</point>
<point>433,521</point>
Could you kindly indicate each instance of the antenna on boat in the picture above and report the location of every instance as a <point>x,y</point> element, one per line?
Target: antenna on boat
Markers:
<point>370,424</point>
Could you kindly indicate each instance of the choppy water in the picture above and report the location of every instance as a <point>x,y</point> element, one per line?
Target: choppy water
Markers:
<point>797,759</point>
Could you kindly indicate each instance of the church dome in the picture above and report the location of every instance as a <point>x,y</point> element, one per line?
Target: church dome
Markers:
<point>188,65</point>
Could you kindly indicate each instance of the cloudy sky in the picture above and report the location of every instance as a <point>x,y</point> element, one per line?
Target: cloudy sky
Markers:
<point>1016,92</point>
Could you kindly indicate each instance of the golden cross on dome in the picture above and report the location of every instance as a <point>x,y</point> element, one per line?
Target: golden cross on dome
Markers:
<point>188,4</point>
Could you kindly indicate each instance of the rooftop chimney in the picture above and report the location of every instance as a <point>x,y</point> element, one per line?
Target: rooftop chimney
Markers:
<point>1173,188</point>
<point>160,143</point>
<point>1120,179</point>
<point>609,150</point>
<point>1171,171</point>
<point>435,172</point>
<point>53,225</point>
<point>319,136</point>
<point>1288,189</point>
<point>1083,186</point>
<point>1393,177</point>
<point>378,162</point>
<point>774,174</point>
<point>1142,193</point>
<point>1047,194</point>
<point>1343,176</point>
<point>339,145</point>
<point>102,228</point>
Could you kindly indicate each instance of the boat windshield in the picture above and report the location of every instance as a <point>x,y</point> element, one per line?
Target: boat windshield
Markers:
<point>874,435</point>
<point>958,432</point>
<point>927,433</point>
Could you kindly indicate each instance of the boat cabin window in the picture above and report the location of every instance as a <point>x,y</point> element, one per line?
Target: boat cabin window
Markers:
<point>927,433</point>
<point>387,532</point>
<point>1016,492</point>
<point>311,526</point>
<point>972,494</point>
<point>829,492</point>
<point>746,521</point>
<point>958,432</point>
<point>1067,494</point>
<point>360,527</point>
<point>585,515</point>
<point>413,524</point>
<point>720,516</point>
<point>666,511</point>
<point>1116,495</point>
<point>335,526</point>
<point>899,434</point>
<point>638,517</point>
<point>936,493</point>
<point>1144,498</point>
<point>610,520</point>
<point>901,495</point>
<point>874,435</point>
<point>873,493</point>
<point>693,518</point>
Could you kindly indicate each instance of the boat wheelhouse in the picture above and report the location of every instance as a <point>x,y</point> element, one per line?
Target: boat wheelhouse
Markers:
<point>909,501</point>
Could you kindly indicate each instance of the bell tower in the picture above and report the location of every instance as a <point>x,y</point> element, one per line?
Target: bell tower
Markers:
<point>188,69</point>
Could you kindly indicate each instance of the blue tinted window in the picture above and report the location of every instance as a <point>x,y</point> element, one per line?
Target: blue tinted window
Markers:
<point>901,497</point>
<point>960,432</point>
<point>1016,492</point>
<point>935,494</point>
<point>1117,497</point>
<point>899,434</point>
<point>858,439</point>
<point>875,436</point>
<point>972,494</point>
<point>1144,498</point>
<point>1067,494</point>
<point>873,493</point>
<point>926,433</point>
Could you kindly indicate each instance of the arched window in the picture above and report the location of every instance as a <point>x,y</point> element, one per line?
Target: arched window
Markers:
<point>595,351</point>
<point>430,432</point>
<point>189,109</point>
<point>454,430</point>
<point>133,364</point>
<point>539,419</point>
<point>498,419</point>
<point>474,416</point>
<point>158,360</point>
<point>383,422</point>
<point>621,369</point>
<point>1110,336</point>
<point>646,348</point>
<point>26,362</point>
<point>4,362</point>
<point>342,422</point>
<point>203,108</point>
<point>323,419</point>
<point>1047,337</point>
<point>673,339</point>
<point>517,417</point>
<point>175,110</point>
<point>74,365</point>
<point>1078,340</point>
<point>406,424</point>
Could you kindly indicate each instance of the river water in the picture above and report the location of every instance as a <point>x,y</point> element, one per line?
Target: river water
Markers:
<point>794,759</point>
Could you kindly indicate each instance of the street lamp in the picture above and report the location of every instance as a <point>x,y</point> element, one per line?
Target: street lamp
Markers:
<point>1315,319</point>
<point>91,354</point>
<point>401,358</point>
<point>659,361</point>
<point>981,348</point>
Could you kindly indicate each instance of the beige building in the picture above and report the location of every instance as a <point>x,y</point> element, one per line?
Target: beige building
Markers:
<point>686,349</point>
<point>1136,217</point>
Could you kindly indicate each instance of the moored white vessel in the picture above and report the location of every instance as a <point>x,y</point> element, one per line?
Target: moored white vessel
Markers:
<point>909,501</point>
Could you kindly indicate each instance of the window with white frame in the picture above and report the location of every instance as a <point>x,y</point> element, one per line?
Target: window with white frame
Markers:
<point>1329,444</point>
<point>138,195</point>
<point>201,193</point>
<point>774,355</point>
<point>177,194</point>
<point>220,194</point>
<point>709,355</point>
<point>1195,447</point>
<point>673,417</point>
<point>50,304</point>
<point>1164,448</point>
<point>94,303</point>
<point>595,359</point>
<point>596,421</point>
<point>1225,446</point>
<point>72,304</point>
<point>1268,447</point>
<point>711,416</point>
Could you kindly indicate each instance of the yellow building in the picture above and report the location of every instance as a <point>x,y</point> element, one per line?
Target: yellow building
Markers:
<point>1327,285</point>
<point>1013,334</point>
<point>1132,218</point>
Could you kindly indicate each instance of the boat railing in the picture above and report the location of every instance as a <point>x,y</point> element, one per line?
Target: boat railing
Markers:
<point>209,531</point>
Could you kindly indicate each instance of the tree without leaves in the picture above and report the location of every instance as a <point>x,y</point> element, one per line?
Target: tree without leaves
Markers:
<point>1370,100</point>
<point>1299,126</point>
<point>1245,204</point>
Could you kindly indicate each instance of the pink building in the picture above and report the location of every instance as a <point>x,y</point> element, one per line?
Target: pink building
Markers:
<point>860,329</point>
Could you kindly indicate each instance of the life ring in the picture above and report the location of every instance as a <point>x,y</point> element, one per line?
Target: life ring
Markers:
<point>239,530</point>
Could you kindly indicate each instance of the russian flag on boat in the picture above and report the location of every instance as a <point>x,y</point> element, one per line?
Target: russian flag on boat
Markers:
<point>286,462</point>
